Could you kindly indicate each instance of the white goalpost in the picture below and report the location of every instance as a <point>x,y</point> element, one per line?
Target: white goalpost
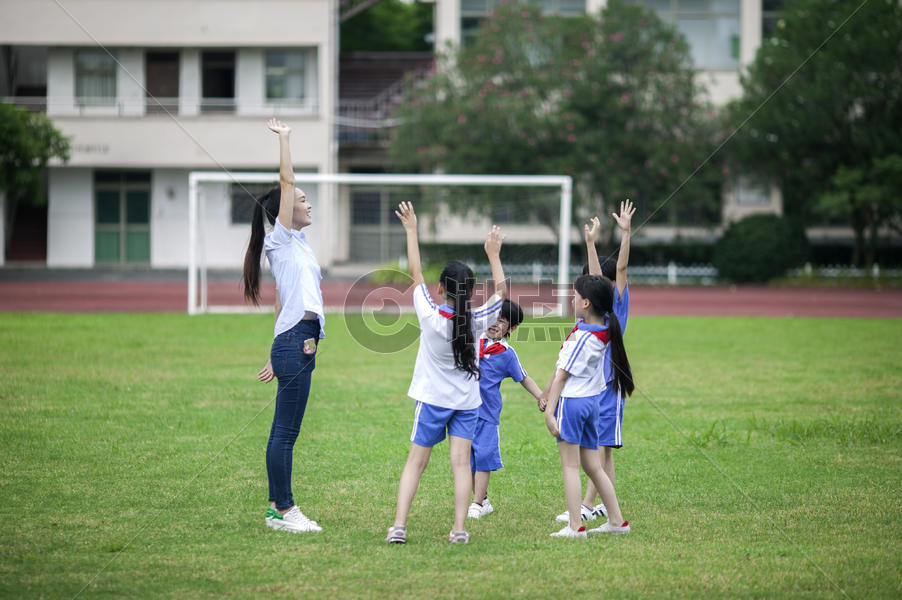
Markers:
<point>197,263</point>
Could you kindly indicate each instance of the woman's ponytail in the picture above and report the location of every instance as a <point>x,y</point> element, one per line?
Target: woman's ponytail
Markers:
<point>255,245</point>
<point>458,281</point>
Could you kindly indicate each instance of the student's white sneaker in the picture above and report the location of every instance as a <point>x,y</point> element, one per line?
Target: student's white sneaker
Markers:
<point>608,528</point>
<point>487,507</point>
<point>477,510</point>
<point>600,510</point>
<point>294,521</point>
<point>566,532</point>
<point>587,512</point>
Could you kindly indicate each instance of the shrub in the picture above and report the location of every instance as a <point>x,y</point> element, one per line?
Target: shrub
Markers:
<point>759,248</point>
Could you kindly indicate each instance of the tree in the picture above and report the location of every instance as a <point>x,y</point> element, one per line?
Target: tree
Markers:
<point>829,135</point>
<point>28,141</point>
<point>609,99</point>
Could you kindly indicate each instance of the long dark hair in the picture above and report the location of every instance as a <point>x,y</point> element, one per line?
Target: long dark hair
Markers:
<point>599,291</point>
<point>267,204</point>
<point>458,281</point>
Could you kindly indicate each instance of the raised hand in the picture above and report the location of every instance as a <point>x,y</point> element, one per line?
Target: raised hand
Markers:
<point>627,210</point>
<point>278,126</point>
<point>493,241</point>
<point>407,216</point>
<point>593,231</point>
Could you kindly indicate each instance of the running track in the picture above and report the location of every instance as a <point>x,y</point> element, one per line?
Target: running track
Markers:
<point>171,296</point>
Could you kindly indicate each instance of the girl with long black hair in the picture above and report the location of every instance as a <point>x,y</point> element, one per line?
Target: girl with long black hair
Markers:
<point>571,413</point>
<point>298,329</point>
<point>445,380</point>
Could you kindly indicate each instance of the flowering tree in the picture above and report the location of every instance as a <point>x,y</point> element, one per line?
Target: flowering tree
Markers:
<point>610,99</point>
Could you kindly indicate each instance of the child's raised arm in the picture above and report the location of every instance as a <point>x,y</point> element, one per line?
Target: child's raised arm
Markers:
<point>493,251</point>
<point>409,219</point>
<point>591,238</point>
<point>624,219</point>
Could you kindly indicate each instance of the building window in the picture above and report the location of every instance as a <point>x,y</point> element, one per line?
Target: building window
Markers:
<point>95,78</point>
<point>376,233</point>
<point>161,76</point>
<point>286,76</point>
<point>751,193</point>
<point>122,217</point>
<point>244,198</point>
<point>218,82</point>
<point>473,12</point>
<point>711,27</point>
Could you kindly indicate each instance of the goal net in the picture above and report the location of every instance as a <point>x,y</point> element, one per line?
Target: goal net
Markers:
<point>354,224</point>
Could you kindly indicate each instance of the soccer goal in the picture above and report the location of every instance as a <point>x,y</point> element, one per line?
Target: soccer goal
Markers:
<point>211,192</point>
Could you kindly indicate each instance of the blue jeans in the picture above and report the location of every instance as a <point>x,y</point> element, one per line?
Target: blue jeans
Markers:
<point>293,368</point>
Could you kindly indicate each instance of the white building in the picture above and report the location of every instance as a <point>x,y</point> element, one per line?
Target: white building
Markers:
<point>149,90</point>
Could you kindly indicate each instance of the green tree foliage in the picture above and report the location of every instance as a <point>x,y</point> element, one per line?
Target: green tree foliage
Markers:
<point>610,99</point>
<point>829,135</point>
<point>759,248</point>
<point>389,26</point>
<point>27,143</point>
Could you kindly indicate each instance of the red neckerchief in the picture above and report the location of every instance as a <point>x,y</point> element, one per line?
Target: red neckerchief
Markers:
<point>486,348</point>
<point>572,331</point>
<point>446,311</point>
<point>596,330</point>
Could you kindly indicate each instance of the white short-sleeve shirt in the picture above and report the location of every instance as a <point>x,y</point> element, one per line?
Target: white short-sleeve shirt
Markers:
<point>297,275</point>
<point>582,355</point>
<point>435,379</point>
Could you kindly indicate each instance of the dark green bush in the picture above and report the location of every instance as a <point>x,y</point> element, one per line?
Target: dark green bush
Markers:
<point>759,248</point>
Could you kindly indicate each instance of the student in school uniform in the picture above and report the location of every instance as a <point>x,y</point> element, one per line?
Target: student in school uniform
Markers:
<point>445,381</point>
<point>571,413</point>
<point>497,361</point>
<point>611,404</point>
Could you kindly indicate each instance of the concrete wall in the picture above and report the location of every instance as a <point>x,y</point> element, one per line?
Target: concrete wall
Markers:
<point>149,23</point>
<point>70,218</point>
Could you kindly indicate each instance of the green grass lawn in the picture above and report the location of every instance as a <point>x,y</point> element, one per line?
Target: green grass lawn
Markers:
<point>763,459</point>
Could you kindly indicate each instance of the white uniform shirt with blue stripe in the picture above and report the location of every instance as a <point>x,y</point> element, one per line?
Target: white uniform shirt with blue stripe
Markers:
<point>297,275</point>
<point>582,355</point>
<point>435,379</point>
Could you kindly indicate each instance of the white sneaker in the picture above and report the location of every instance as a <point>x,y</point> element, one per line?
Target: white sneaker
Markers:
<point>566,532</point>
<point>588,514</point>
<point>608,528</point>
<point>600,510</point>
<point>477,510</point>
<point>294,521</point>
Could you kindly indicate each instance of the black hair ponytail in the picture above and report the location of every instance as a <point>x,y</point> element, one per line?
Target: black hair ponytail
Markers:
<point>620,364</point>
<point>268,203</point>
<point>458,281</point>
<point>599,291</point>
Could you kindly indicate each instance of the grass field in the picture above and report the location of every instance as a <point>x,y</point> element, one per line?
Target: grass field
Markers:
<point>763,459</point>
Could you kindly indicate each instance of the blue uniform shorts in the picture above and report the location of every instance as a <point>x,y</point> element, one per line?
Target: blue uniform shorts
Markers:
<point>431,422</point>
<point>485,455</point>
<point>610,418</point>
<point>577,420</point>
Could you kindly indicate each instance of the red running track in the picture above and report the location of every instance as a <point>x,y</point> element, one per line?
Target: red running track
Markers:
<point>171,296</point>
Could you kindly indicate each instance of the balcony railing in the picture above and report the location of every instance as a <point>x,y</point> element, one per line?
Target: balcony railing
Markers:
<point>131,107</point>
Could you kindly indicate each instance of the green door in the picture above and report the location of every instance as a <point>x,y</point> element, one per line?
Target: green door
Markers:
<point>122,218</point>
